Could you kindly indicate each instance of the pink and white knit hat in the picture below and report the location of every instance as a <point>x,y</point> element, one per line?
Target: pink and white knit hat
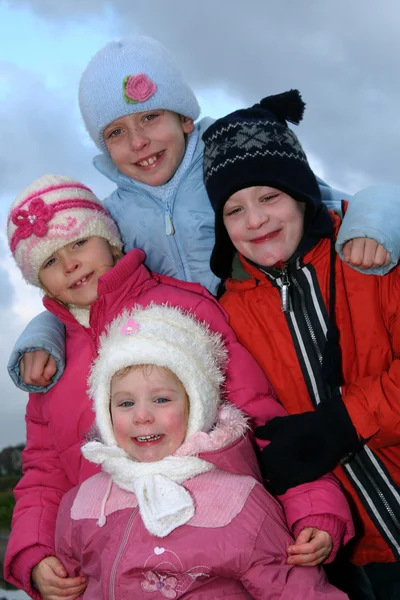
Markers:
<point>49,214</point>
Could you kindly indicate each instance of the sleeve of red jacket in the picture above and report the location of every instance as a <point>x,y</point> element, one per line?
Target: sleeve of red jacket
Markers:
<point>373,402</point>
<point>249,388</point>
<point>38,495</point>
<point>268,576</point>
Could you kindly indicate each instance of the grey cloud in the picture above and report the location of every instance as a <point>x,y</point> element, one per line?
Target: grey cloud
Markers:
<point>44,134</point>
<point>342,56</point>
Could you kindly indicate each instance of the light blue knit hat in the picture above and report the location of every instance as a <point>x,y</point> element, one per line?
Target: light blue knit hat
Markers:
<point>136,74</point>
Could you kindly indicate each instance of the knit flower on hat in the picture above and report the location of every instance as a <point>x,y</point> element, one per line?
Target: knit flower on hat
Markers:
<point>34,220</point>
<point>138,88</point>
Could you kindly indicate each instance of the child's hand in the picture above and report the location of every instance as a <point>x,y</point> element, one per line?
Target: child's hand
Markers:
<point>311,548</point>
<point>37,368</point>
<point>53,583</point>
<point>365,253</point>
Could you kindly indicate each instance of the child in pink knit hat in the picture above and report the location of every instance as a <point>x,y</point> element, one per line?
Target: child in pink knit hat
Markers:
<point>65,242</point>
<point>52,214</point>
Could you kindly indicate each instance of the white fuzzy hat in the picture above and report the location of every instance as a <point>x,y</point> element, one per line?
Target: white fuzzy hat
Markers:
<point>167,337</point>
<point>49,214</point>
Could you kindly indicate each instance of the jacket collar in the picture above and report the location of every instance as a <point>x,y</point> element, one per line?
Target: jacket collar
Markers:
<point>257,274</point>
<point>129,271</point>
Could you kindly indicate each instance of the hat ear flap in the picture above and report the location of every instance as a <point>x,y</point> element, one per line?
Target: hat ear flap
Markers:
<point>288,106</point>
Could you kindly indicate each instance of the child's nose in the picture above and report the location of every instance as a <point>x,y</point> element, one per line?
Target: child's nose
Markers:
<point>138,140</point>
<point>142,415</point>
<point>255,219</point>
<point>70,264</point>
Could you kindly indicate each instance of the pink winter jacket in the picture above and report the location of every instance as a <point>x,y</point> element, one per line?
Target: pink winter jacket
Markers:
<point>57,422</point>
<point>234,546</point>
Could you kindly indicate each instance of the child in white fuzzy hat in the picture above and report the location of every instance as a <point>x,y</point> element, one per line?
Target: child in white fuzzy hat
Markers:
<point>141,113</point>
<point>172,512</point>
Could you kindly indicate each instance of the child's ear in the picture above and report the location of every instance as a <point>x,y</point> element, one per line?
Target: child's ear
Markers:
<point>187,124</point>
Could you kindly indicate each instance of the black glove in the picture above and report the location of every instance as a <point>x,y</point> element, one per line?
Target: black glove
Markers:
<point>306,446</point>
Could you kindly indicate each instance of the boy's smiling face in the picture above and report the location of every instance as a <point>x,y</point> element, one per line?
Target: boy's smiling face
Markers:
<point>148,146</point>
<point>265,224</point>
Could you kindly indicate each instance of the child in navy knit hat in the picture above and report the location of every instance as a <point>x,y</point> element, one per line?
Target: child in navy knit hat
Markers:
<point>328,337</point>
<point>140,113</point>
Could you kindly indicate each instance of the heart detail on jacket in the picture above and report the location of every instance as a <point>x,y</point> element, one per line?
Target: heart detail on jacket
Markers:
<point>158,550</point>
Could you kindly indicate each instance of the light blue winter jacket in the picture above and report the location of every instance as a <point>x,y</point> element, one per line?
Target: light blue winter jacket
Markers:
<point>174,225</point>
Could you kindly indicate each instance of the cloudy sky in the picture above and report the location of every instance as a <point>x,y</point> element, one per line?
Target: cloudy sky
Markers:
<point>342,54</point>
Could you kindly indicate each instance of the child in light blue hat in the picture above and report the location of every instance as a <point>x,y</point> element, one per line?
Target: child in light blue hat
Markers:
<point>141,114</point>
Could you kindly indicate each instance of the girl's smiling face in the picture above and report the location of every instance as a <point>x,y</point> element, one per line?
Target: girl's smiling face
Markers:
<point>264,224</point>
<point>149,411</point>
<point>71,274</point>
<point>148,146</point>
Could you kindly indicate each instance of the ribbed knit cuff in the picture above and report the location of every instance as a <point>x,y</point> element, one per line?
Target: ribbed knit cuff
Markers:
<point>325,522</point>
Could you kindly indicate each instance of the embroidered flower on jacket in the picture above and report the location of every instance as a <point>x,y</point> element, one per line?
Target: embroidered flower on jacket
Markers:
<point>34,220</point>
<point>164,584</point>
<point>138,88</point>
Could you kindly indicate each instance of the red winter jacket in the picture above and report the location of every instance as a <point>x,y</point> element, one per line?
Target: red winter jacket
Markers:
<point>367,316</point>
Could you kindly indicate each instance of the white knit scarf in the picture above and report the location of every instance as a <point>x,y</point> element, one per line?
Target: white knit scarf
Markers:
<point>164,505</point>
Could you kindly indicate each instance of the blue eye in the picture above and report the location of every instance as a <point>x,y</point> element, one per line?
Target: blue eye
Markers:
<point>114,133</point>
<point>127,404</point>
<point>162,400</point>
<point>150,117</point>
<point>49,263</point>
<point>80,243</point>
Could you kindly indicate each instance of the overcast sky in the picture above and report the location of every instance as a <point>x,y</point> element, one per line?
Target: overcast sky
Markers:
<point>343,55</point>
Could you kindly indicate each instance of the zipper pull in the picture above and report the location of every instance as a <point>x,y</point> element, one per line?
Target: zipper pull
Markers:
<point>285,300</point>
<point>169,227</point>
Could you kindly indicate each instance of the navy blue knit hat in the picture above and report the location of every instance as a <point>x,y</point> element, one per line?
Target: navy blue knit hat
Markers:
<point>255,147</point>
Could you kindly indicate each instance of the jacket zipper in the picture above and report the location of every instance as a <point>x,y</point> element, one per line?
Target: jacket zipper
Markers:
<point>170,232</point>
<point>284,283</point>
<point>308,320</point>
<point>379,492</point>
<point>121,549</point>
<point>285,300</point>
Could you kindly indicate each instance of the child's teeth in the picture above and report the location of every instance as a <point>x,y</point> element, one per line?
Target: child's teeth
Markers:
<point>148,161</point>
<point>147,438</point>
<point>81,281</point>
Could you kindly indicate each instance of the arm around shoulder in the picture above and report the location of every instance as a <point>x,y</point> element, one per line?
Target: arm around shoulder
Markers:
<point>44,332</point>
<point>373,213</point>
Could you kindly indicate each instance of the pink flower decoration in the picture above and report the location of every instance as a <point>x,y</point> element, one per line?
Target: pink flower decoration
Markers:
<point>129,327</point>
<point>34,220</point>
<point>138,88</point>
